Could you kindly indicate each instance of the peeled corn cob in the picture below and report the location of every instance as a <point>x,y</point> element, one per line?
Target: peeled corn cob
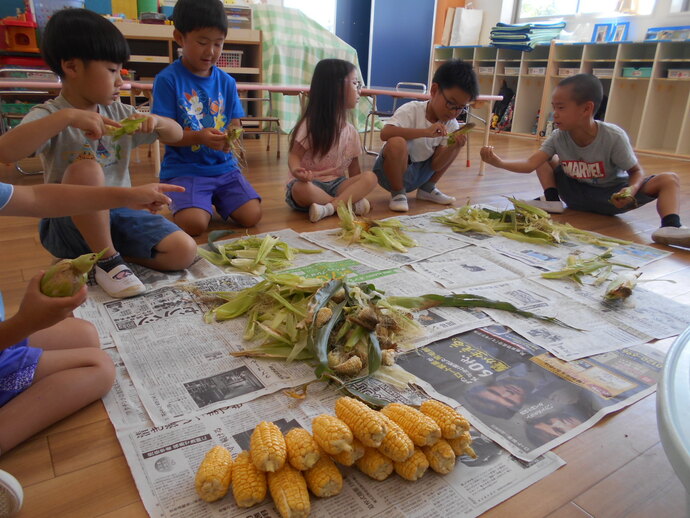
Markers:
<point>67,276</point>
<point>324,478</point>
<point>396,445</point>
<point>268,448</point>
<point>462,445</point>
<point>214,474</point>
<point>375,464</point>
<point>249,487</point>
<point>366,424</point>
<point>414,467</point>
<point>332,434</point>
<point>421,429</point>
<point>348,458</point>
<point>440,456</point>
<point>129,126</point>
<point>289,492</point>
<point>302,450</point>
<point>451,423</point>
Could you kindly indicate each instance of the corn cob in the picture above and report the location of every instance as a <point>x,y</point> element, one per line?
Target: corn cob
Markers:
<point>267,447</point>
<point>289,492</point>
<point>375,464</point>
<point>302,450</point>
<point>67,276</point>
<point>396,445</point>
<point>462,445</point>
<point>324,478</point>
<point>348,458</point>
<point>366,424</point>
<point>440,456</point>
<point>214,474</point>
<point>332,434</point>
<point>421,429</point>
<point>249,487</point>
<point>452,424</point>
<point>414,467</point>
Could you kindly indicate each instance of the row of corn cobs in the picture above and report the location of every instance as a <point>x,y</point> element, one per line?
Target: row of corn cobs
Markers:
<point>399,438</point>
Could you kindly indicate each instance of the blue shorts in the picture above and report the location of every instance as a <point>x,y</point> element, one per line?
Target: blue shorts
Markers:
<point>416,174</point>
<point>591,198</point>
<point>135,233</point>
<point>17,369</point>
<point>227,192</point>
<point>331,188</point>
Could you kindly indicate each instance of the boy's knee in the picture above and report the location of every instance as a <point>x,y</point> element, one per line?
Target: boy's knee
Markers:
<point>248,215</point>
<point>178,251</point>
<point>395,146</point>
<point>105,369</point>
<point>84,172</point>
<point>370,179</point>
<point>193,228</point>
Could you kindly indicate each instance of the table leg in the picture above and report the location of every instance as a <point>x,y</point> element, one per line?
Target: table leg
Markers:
<point>487,128</point>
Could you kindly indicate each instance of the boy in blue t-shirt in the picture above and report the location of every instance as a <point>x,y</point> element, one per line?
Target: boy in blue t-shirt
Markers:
<point>204,100</point>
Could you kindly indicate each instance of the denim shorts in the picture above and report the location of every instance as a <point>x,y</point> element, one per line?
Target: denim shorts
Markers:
<point>17,369</point>
<point>135,233</point>
<point>416,174</point>
<point>591,198</point>
<point>227,192</point>
<point>330,188</point>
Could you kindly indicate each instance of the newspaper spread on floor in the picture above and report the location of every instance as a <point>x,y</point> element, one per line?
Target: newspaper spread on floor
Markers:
<point>164,461</point>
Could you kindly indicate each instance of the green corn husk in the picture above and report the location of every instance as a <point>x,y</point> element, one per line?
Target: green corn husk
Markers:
<point>624,194</point>
<point>67,276</point>
<point>387,234</point>
<point>577,268</point>
<point>130,125</point>
<point>452,138</point>
<point>253,254</point>
<point>622,286</point>
<point>233,134</point>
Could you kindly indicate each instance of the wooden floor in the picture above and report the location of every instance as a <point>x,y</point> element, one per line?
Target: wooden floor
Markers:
<point>617,469</point>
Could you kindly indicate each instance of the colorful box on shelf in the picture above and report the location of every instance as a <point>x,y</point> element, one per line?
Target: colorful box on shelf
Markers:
<point>230,59</point>
<point>637,71</point>
<point>536,71</point>
<point>566,72</point>
<point>512,71</point>
<point>602,72</point>
<point>679,73</point>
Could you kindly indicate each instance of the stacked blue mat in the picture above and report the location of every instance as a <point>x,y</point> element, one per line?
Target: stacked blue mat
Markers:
<point>524,36</point>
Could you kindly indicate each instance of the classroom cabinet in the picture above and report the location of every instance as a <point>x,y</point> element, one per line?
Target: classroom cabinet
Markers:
<point>647,85</point>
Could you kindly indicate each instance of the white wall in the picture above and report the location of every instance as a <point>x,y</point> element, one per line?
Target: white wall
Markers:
<point>502,11</point>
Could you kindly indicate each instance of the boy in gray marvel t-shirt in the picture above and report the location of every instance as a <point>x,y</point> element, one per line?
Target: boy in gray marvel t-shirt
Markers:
<point>591,166</point>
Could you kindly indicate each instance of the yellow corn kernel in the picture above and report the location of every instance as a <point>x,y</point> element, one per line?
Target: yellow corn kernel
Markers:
<point>396,445</point>
<point>302,450</point>
<point>332,434</point>
<point>267,447</point>
<point>348,458</point>
<point>414,467</point>
<point>440,456</point>
<point>375,464</point>
<point>249,487</point>
<point>452,424</point>
<point>463,445</point>
<point>421,429</point>
<point>289,492</point>
<point>366,424</point>
<point>214,474</point>
<point>324,479</point>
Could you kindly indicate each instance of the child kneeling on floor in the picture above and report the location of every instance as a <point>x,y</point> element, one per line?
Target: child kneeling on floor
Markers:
<point>325,148</point>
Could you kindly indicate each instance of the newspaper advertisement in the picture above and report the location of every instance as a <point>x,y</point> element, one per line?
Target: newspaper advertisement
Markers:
<point>164,461</point>
<point>524,398</point>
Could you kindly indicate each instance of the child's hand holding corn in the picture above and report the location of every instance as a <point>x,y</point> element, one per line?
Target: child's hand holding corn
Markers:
<point>624,197</point>
<point>91,123</point>
<point>437,129</point>
<point>213,138</point>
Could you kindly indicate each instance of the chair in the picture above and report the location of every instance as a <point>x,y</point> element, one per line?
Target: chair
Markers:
<point>253,125</point>
<point>154,148</point>
<point>375,112</point>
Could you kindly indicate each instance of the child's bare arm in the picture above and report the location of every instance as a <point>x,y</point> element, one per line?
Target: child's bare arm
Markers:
<point>517,166</point>
<point>297,151</point>
<point>26,138</point>
<point>169,131</point>
<point>354,169</point>
<point>438,129</point>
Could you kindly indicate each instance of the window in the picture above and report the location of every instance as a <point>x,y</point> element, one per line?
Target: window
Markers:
<point>550,8</point>
<point>322,12</point>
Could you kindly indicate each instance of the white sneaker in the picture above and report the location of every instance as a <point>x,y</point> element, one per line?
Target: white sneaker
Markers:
<point>318,212</point>
<point>678,236</point>
<point>11,495</point>
<point>398,203</point>
<point>435,196</point>
<point>120,282</point>
<point>552,207</point>
<point>362,207</point>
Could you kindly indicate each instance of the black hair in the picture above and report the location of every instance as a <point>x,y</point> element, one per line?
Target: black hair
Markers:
<point>539,437</point>
<point>584,88</point>
<point>326,112</point>
<point>190,15</point>
<point>457,73</point>
<point>474,397</point>
<point>81,34</point>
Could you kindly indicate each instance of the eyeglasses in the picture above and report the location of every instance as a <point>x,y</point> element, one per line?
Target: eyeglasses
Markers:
<point>358,85</point>
<point>451,105</point>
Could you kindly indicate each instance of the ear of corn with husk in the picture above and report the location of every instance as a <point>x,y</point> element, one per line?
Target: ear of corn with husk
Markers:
<point>67,276</point>
<point>624,194</point>
<point>130,125</point>
<point>388,234</point>
<point>622,286</point>
<point>452,138</point>
<point>233,134</point>
<point>576,268</point>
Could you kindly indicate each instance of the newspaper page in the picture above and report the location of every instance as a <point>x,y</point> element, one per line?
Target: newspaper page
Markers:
<point>123,404</point>
<point>164,460</point>
<point>524,398</point>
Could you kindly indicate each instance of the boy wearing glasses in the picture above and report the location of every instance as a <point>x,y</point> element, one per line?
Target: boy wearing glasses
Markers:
<point>416,154</point>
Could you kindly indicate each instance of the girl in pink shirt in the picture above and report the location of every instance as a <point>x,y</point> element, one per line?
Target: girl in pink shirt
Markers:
<point>325,148</point>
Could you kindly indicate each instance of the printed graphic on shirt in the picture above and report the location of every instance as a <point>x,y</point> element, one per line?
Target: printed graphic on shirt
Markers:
<point>107,153</point>
<point>583,170</point>
<point>202,112</point>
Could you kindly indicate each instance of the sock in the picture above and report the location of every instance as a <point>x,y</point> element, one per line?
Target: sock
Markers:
<point>551,194</point>
<point>395,193</point>
<point>670,220</point>
<point>111,262</point>
<point>427,187</point>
